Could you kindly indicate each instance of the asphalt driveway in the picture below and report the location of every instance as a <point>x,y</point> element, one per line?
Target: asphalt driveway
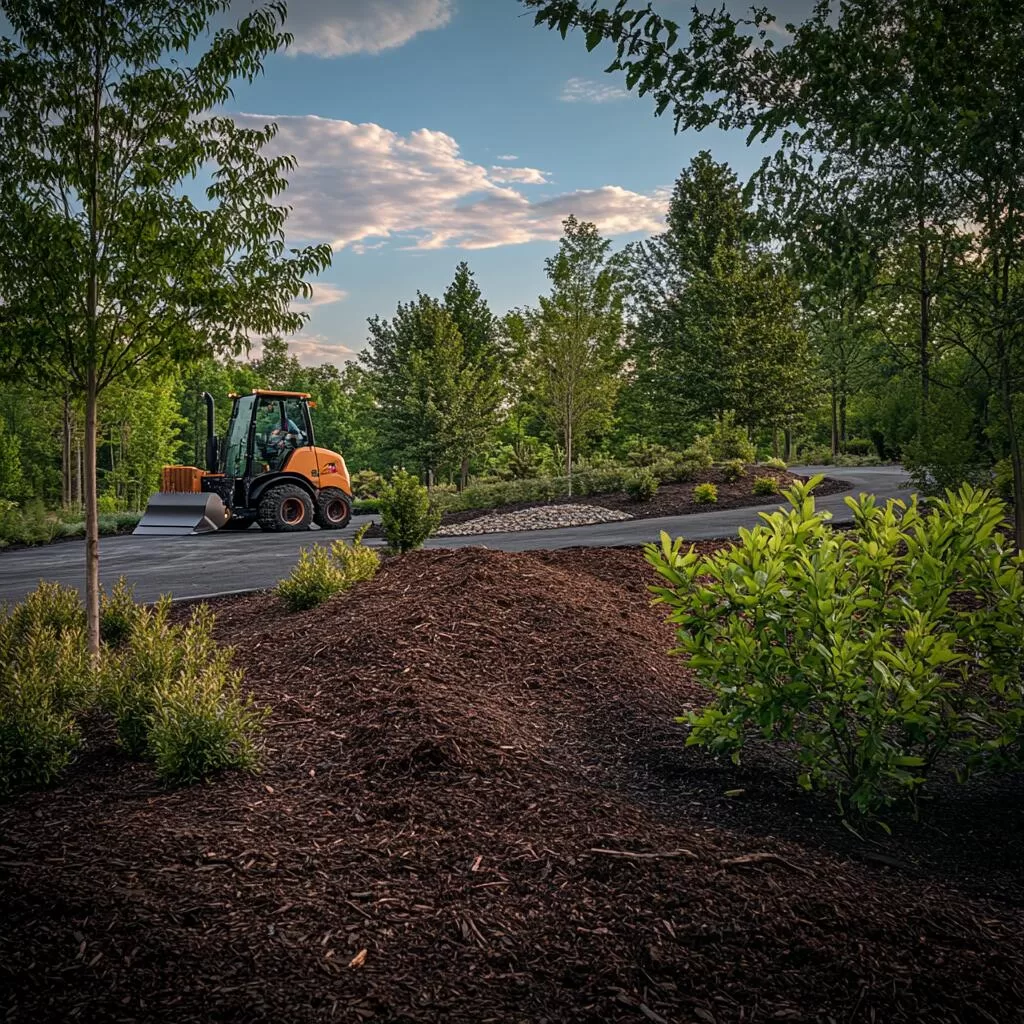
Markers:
<point>224,563</point>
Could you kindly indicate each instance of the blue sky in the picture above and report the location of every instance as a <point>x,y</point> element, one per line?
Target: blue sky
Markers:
<point>431,131</point>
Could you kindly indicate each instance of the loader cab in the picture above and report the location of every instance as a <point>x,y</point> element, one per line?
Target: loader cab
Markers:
<point>263,432</point>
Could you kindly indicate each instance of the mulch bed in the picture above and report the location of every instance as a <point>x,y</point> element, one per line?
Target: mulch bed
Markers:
<point>476,808</point>
<point>671,499</point>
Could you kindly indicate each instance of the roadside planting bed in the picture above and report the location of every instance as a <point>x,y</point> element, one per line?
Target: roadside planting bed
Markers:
<point>671,499</point>
<point>475,807</point>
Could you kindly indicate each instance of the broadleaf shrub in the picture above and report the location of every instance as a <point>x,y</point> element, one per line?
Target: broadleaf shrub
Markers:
<point>705,494</point>
<point>774,463</point>
<point>642,486</point>
<point>766,485</point>
<point>407,515</point>
<point>876,655</point>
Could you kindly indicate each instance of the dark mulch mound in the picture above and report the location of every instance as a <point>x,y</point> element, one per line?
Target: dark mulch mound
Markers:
<point>671,499</point>
<point>475,808</point>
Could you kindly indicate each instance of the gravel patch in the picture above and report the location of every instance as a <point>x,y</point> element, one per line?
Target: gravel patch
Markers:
<point>544,517</point>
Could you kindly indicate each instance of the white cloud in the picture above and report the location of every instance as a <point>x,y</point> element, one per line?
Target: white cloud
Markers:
<point>356,184</point>
<point>520,175</point>
<point>584,90</point>
<point>310,349</point>
<point>507,157</point>
<point>337,28</point>
<point>323,295</point>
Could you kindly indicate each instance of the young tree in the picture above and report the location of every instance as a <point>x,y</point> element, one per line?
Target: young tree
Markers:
<point>577,336</point>
<point>484,357</point>
<point>113,260</point>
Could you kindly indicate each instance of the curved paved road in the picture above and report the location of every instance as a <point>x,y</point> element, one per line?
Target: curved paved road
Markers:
<point>223,563</point>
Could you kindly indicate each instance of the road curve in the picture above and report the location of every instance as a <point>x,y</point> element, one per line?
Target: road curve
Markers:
<point>225,563</point>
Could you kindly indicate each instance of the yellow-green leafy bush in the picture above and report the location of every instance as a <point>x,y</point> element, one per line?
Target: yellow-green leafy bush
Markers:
<point>874,655</point>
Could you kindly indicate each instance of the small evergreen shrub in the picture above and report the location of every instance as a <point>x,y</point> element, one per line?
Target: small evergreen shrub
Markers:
<point>705,494</point>
<point>766,485</point>
<point>176,699</point>
<point>733,470</point>
<point>644,453</point>
<point>874,654</point>
<point>642,485</point>
<point>118,613</point>
<point>367,484</point>
<point>201,722</point>
<point>700,453</point>
<point>407,515</point>
<point>366,507</point>
<point>45,682</point>
<point>356,561</point>
<point>315,578</point>
<point>774,463</point>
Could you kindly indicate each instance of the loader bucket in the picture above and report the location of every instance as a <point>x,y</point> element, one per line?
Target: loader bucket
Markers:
<point>178,514</point>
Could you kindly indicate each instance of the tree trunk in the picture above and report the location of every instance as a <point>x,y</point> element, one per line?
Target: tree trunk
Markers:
<point>842,420</point>
<point>65,456</point>
<point>775,440</point>
<point>787,445</point>
<point>92,523</point>
<point>464,473</point>
<point>568,452</point>
<point>835,422</point>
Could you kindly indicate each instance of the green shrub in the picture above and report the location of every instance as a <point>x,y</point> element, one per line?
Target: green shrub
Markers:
<point>766,485</point>
<point>774,463</point>
<point>315,578</point>
<point>118,613</point>
<point>646,453</point>
<point>871,653</point>
<point>817,455</point>
<point>366,507</point>
<point>859,446</point>
<point>700,453</point>
<point>37,738</point>
<point>366,484</point>
<point>176,699</point>
<point>407,515</point>
<point>1003,474</point>
<point>734,470</point>
<point>355,561</point>
<point>679,470</point>
<point>725,442</point>
<point>642,486</point>
<point>705,494</point>
<point>45,682</point>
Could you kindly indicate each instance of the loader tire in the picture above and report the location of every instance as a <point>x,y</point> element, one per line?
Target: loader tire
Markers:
<point>333,509</point>
<point>285,509</point>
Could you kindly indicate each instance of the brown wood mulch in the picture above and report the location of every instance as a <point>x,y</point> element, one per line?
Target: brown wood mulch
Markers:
<point>671,499</point>
<point>475,807</point>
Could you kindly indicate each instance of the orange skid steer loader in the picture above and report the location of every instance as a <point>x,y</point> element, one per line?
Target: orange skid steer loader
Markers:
<point>268,470</point>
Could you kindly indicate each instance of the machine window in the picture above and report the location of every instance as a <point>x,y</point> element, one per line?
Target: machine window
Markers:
<point>236,441</point>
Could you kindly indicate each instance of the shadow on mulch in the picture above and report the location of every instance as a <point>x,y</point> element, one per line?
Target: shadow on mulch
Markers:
<point>475,808</point>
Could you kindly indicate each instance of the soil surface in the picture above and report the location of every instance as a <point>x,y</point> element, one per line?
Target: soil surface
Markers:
<point>476,807</point>
<point>671,499</point>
